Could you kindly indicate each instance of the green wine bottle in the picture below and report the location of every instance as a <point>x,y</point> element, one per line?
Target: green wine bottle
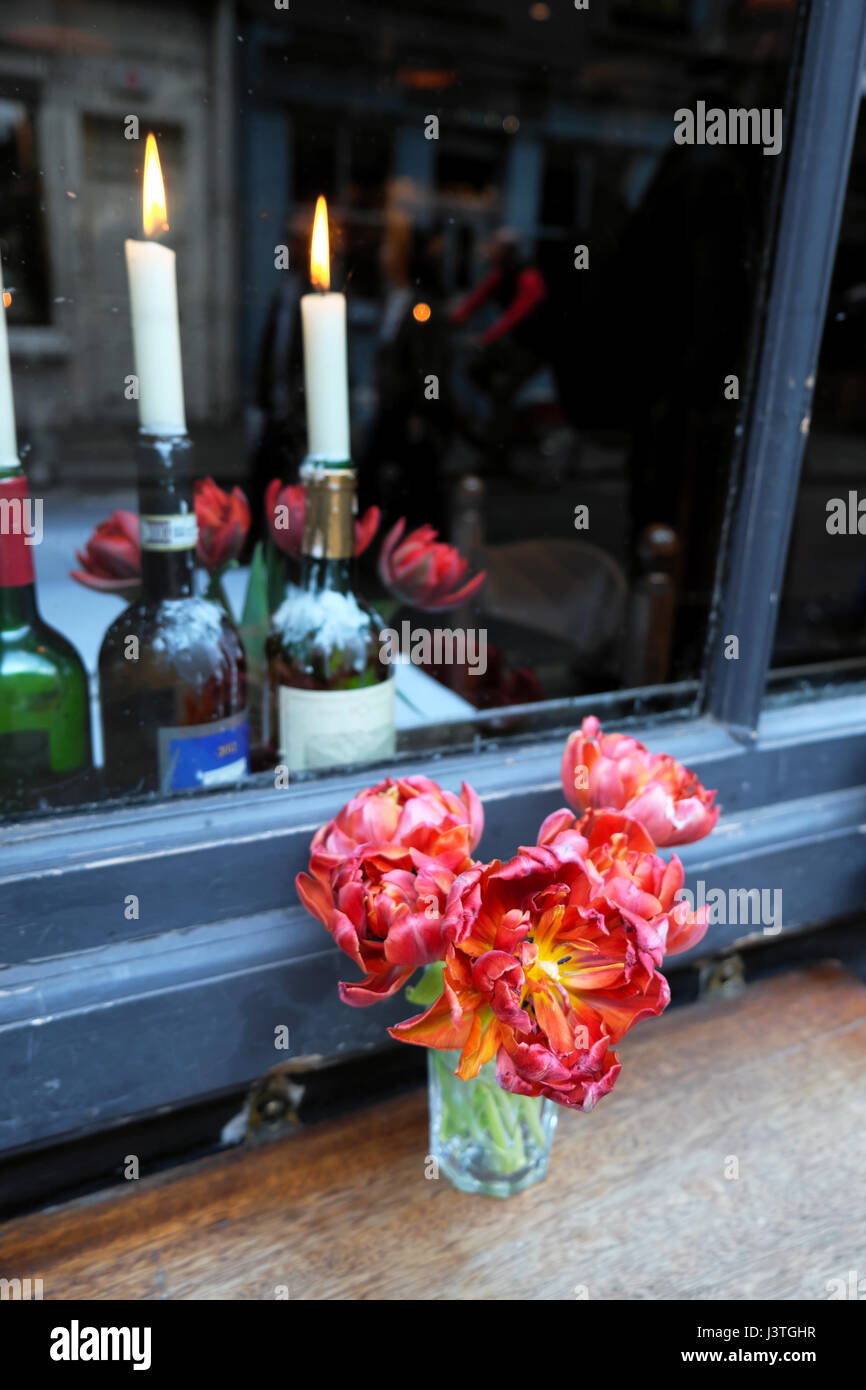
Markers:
<point>172,671</point>
<point>332,693</point>
<point>44,700</point>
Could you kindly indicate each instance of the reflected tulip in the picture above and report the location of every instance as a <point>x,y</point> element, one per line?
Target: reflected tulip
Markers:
<point>423,571</point>
<point>111,559</point>
<point>285,508</point>
<point>223,522</point>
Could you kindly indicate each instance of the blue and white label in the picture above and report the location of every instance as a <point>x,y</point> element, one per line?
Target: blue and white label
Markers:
<point>205,755</point>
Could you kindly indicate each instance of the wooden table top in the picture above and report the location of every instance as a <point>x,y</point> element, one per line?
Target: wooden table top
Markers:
<point>636,1204</point>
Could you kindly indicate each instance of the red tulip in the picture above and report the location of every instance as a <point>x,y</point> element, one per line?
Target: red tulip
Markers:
<point>550,959</point>
<point>380,874</point>
<point>223,522</point>
<point>646,885</point>
<point>284,510</point>
<point>111,559</point>
<point>424,571</point>
<point>285,507</point>
<point>614,771</point>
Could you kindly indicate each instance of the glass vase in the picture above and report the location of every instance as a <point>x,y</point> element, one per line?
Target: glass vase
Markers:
<point>483,1138</point>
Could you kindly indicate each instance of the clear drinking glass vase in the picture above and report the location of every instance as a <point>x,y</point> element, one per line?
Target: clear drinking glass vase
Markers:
<point>483,1138</point>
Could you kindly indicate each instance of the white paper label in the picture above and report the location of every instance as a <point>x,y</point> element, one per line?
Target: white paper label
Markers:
<point>178,532</point>
<point>325,728</point>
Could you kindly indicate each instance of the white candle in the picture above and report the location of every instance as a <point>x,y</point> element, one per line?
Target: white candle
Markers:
<point>326,369</point>
<point>155,325</point>
<point>8,441</point>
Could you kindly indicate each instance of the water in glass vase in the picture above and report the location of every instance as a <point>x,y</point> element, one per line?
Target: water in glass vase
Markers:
<point>483,1138</point>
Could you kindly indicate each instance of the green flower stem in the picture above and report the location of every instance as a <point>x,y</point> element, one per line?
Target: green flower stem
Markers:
<point>449,1123</point>
<point>529,1109</point>
<point>501,1119</point>
<point>494,1120</point>
<point>217,593</point>
<point>473,1122</point>
<point>510,1106</point>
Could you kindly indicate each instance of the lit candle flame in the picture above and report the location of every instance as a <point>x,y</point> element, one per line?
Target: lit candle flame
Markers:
<point>7,299</point>
<point>320,256</point>
<point>153,204</point>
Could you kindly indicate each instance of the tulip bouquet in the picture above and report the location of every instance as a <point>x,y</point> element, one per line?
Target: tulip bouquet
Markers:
<point>535,968</point>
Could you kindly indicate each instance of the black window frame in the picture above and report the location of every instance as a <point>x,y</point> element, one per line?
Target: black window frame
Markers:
<point>103,1018</point>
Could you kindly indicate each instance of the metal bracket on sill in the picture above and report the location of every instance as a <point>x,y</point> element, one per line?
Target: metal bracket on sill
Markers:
<point>725,977</point>
<point>270,1110</point>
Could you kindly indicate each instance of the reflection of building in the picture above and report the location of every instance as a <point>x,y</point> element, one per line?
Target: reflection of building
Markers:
<point>551,120</point>
<point>69,76</point>
<point>344,109</point>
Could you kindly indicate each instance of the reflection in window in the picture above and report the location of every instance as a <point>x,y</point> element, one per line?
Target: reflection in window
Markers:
<point>823,610</point>
<point>546,297</point>
<point>21,232</point>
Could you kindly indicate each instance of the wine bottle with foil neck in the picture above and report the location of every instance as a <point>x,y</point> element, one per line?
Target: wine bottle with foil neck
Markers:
<point>172,671</point>
<point>332,692</point>
<point>45,752</point>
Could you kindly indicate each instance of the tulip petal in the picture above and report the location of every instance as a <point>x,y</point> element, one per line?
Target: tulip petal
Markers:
<point>435,1028</point>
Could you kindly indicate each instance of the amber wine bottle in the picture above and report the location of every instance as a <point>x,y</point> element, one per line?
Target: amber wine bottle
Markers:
<point>172,672</point>
<point>332,694</point>
<point>44,700</point>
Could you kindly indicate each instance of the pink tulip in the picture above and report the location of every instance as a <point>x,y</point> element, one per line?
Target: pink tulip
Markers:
<point>616,772</point>
<point>644,885</point>
<point>550,960</point>
<point>380,873</point>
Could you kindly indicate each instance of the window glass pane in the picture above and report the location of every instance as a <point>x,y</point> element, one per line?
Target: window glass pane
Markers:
<point>22,232</point>
<point>551,307</point>
<point>821,632</point>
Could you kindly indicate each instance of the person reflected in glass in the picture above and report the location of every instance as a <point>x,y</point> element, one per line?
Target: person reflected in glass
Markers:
<point>516,344</point>
<point>402,457</point>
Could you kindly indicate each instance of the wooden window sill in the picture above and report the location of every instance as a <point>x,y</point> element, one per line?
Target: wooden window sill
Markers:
<point>636,1204</point>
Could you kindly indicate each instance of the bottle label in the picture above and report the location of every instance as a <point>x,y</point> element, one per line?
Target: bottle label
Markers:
<point>204,755</point>
<point>16,556</point>
<point>324,728</point>
<point>177,532</point>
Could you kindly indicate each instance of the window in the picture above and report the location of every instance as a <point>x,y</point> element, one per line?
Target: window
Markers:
<point>554,314</point>
<point>667,411</point>
<point>822,618</point>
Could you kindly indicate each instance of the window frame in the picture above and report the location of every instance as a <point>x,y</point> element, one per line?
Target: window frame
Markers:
<point>104,1018</point>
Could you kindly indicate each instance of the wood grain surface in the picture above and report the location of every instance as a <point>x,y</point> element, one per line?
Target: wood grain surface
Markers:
<point>636,1205</point>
